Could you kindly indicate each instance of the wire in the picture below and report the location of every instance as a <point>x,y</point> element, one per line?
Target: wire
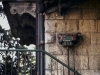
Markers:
<point>79,40</point>
<point>73,52</point>
<point>60,48</point>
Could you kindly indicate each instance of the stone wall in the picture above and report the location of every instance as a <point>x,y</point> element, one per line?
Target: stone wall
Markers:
<point>84,19</point>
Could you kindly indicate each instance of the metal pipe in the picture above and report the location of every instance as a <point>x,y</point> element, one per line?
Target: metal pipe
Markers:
<point>40,36</point>
<point>37,41</point>
<point>42,69</point>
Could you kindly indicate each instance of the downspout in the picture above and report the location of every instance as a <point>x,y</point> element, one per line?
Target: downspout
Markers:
<point>40,37</point>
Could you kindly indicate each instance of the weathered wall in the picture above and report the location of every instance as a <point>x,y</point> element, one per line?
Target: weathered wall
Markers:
<point>84,19</point>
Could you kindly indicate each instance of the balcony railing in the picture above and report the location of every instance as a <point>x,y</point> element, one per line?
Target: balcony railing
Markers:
<point>22,62</point>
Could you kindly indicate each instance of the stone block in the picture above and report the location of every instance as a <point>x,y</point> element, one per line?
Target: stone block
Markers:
<point>94,50</point>
<point>83,50</point>
<point>87,26</point>
<point>54,64</point>
<point>86,38</point>
<point>53,49</point>
<point>48,72</point>
<point>60,26</point>
<point>94,62</point>
<point>57,72</point>
<point>61,49</point>
<point>47,48</point>
<point>50,26</point>
<point>91,13</point>
<point>95,38</point>
<point>54,26</point>
<point>98,23</point>
<point>50,38</point>
<point>71,25</point>
<point>62,58</point>
<point>51,64</point>
<point>85,46</point>
<point>48,62</point>
<point>50,16</point>
<point>81,62</point>
<point>63,71</point>
<point>90,72</point>
<point>53,16</point>
<point>59,16</point>
<point>73,14</point>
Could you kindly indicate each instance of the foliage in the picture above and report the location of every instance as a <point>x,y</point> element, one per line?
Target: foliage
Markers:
<point>14,62</point>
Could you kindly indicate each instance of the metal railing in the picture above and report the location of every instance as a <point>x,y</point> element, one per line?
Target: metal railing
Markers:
<point>23,63</point>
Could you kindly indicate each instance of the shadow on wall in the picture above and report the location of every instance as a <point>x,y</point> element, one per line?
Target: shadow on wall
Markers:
<point>87,10</point>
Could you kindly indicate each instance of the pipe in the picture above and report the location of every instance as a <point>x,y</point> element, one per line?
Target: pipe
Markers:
<point>42,59</point>
<point>40,37</point>
<point>37,44</point>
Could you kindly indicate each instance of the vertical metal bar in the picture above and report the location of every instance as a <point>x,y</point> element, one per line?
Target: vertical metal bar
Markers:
<point>63,70</point>
<point>37,41</point>
<point>11,62</point>
<point>40,36</point>
<point>18,61</point>
<point>42,63</point>
<point>73,59</point>
<point>68,62</point>
<point>37,53</point>
<point>51,66</point>
<point>31,64</point>
<point>5,64</point>
<point>57,67</point>
<point>25,63</point>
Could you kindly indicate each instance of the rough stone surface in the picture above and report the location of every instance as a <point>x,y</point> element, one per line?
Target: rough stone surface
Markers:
<point>90,72</point>
<point>47,62</point>
<point>63,50</point>
<point>53,49</point>
<point>59,16</point>
<point>83,50</point>
<point>57,72</point>
<point>81,62</point>
<point>60,26</point>
<point>85,20</point>
<point>86,38</point>
<point>91,14</point>
<point>98,24</point>
<point>47,72</point>
<point>94,62</point>
<point>73,14</point>
<point>50,38</point>
<point>71,25</point>
<point>87,26</point>
<point>50,26</point>
<point>95,38</point>
<point>62,58</point>
<point>50,16</point>
<point>54,16</point>
<point>94,50</point>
